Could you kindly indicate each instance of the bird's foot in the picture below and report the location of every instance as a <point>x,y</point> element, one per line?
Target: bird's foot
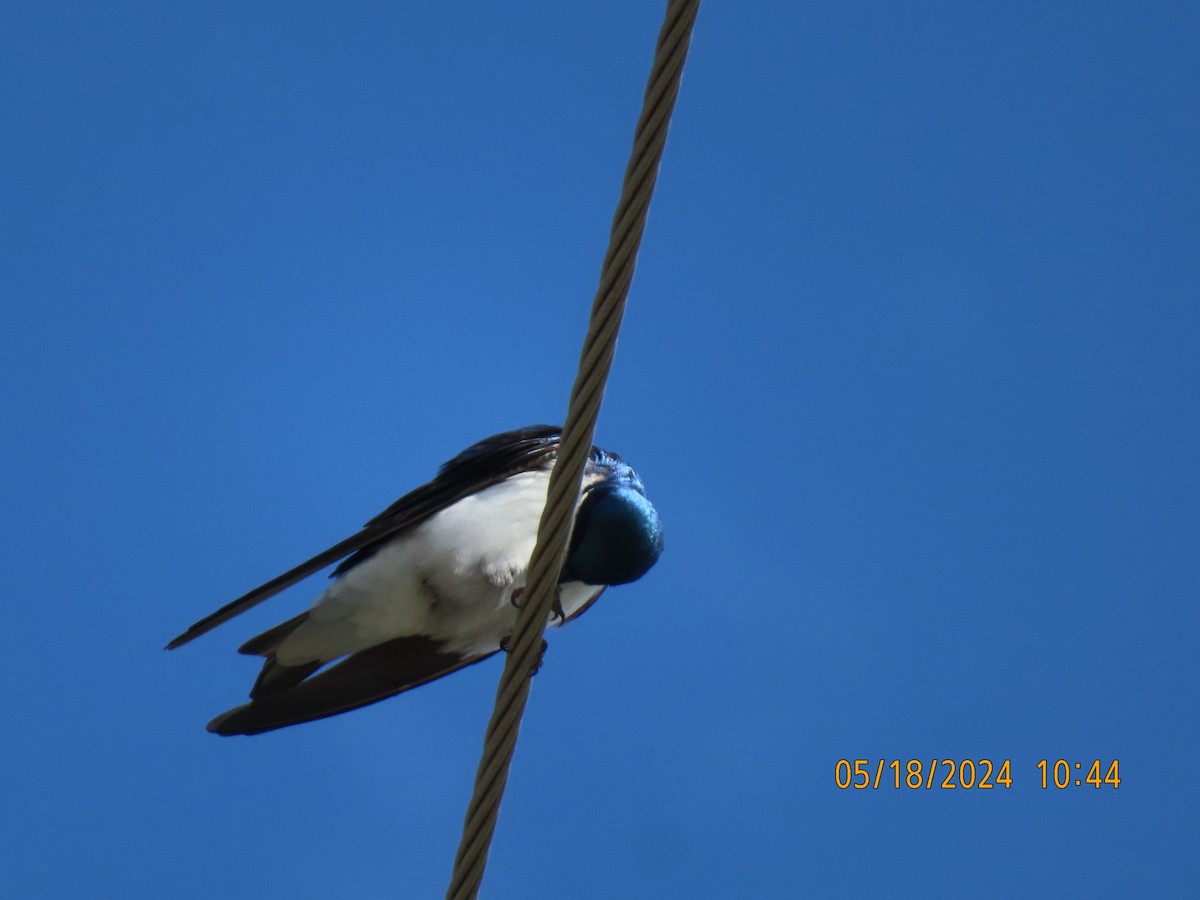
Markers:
<point>506,646</point>
<point>556,608</point>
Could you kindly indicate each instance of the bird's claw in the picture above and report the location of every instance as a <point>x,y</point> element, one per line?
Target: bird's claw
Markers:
<point>556,608</point>
<point>506,646</point>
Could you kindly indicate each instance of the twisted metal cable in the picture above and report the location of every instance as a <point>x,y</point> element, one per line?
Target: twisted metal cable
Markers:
<point>524,650</point>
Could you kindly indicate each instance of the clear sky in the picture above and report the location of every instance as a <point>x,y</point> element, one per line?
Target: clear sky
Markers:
<point>910,370</point>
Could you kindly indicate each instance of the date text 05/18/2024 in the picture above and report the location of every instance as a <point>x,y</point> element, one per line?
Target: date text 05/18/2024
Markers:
<point>968,774</point>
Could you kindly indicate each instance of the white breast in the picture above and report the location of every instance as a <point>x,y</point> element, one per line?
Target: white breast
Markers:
<point>451,578</point>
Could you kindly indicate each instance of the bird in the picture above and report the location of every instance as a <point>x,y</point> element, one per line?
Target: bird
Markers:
<point>431,585</point>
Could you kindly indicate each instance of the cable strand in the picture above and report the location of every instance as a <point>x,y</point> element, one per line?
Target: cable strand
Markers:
<point>587,393</point>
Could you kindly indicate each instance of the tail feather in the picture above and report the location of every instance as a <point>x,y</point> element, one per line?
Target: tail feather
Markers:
<point>268,642</point>
<point>276,677</point>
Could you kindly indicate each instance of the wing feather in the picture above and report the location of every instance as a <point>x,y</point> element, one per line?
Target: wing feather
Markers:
<point>366,677</point>
<point>481,465</point>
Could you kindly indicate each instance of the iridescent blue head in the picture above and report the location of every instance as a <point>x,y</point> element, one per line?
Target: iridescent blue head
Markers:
<point>618,535</point>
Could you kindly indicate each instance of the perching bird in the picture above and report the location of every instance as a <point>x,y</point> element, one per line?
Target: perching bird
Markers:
<point>431,584</point>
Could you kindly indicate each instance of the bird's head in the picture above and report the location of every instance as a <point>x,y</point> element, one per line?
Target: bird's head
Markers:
<point>617,536</point>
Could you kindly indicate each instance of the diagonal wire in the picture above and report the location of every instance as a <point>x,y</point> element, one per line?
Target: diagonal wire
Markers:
<point>616,274</point>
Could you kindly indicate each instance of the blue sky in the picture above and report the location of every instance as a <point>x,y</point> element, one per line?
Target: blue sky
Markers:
<point>910,370</point>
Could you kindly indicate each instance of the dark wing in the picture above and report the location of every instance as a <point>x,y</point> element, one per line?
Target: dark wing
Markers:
<point>360,679</point>
<point>481,465</point>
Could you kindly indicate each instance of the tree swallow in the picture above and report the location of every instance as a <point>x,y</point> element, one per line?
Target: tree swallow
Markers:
<point>431,584</point>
